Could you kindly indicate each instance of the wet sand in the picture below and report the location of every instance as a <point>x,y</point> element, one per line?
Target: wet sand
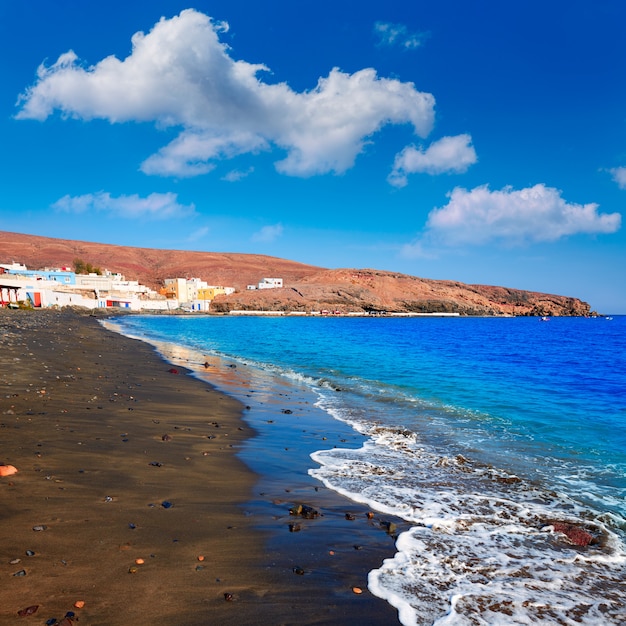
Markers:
<point>121,459</point>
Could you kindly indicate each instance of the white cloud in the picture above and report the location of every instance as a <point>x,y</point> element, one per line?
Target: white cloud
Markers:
<point>181,75</point>
<point>619,176</point>
<point>199,233</point>
<point>237,175</point>
<point>154,206</point>
<point>535,214</point>
<point>268,234</point>
<point>448,154</point>
<point>397,35</point>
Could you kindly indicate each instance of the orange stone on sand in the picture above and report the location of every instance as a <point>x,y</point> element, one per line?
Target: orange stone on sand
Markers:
<point>7,470</point>
<point>79,604</point>
<point>357,590</point>
<point>139,561</point>
<point>200,558</point>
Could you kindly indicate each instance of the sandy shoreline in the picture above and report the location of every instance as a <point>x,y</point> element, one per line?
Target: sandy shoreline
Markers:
<point>120,459</point>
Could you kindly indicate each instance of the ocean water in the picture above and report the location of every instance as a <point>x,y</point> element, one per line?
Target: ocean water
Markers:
<point>482,433</point>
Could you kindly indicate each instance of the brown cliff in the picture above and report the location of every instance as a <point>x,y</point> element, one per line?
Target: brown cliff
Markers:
<point>306,287</point>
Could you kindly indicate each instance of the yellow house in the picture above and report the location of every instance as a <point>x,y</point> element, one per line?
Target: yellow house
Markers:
<point>209,293</point>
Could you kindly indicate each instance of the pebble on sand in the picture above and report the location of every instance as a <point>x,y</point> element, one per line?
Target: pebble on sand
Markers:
<point>29,610</point>
<point>7,470</point>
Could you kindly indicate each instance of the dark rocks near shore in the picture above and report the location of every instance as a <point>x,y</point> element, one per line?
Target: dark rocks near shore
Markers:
<point>304,510</point>
<point>575,534</point>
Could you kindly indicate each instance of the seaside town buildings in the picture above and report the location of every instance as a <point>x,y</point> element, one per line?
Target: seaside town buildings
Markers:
<point>192,293</point>
<point>20,286</point>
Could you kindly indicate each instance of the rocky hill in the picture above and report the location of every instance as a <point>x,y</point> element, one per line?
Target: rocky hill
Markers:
<point>306,287</point>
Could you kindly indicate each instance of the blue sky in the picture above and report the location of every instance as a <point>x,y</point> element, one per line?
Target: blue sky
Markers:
<point>483,141</point>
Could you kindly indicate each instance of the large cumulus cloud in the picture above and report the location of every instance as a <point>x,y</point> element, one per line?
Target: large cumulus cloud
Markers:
<point>181,75</point>
<point>508,216</point>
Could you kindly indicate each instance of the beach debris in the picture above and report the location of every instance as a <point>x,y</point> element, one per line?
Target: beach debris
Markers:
<point>575,534</point>
<point>132,570</point>
<point>172,370</point>
<point>155,464</point>
<point>29,610</point>
<point>287,411</point>
<point>14,561</point>
<point>331,552</point>
<point>357,547</point>
<point>389,527</point>
<point>357,590</point>
<point>299,571</point>
<point>39,527</point>
<point>166,504</point>
<point>294,528</point>
<point>228,597</point>
<point>350,517</point>
<point>139,561</point>
<point>7,470</point>
<point>30,553</point>
<point>200,557</point>
<point>370,515</point>
<point>22,572</point>
<point>166,437</point>
<point>132,526</point>
<point>79,604</point>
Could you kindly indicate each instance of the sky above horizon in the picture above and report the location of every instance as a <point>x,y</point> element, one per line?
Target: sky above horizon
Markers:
<point>482,142</point>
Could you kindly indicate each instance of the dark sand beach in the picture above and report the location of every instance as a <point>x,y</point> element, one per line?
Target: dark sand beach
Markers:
<point>131,497</point>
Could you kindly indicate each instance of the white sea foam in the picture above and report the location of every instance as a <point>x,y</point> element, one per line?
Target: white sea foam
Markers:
<point>483,550</point>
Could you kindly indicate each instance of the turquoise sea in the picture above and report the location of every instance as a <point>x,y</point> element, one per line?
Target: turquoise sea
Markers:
<point>482,433</point>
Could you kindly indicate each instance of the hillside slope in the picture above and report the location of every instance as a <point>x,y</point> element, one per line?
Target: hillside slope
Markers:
<point>306,288</point>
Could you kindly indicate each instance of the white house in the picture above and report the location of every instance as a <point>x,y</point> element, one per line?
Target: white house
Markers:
<point>271,283</point>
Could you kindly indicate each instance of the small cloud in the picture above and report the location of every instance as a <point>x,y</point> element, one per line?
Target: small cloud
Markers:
<point>531,215</point>
<point>268,234</point>
<point>619,176</point>
<point>397,35</point>
<point>155,206</point>
<point>447,155</point>
<point>236,175</point>
<point>198,234</point>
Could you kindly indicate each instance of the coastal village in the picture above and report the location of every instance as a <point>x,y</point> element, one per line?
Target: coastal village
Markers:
<point>21,287</point>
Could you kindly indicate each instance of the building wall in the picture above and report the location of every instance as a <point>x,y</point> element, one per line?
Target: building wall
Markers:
<point>59,276</point>
<point>176,288</point>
